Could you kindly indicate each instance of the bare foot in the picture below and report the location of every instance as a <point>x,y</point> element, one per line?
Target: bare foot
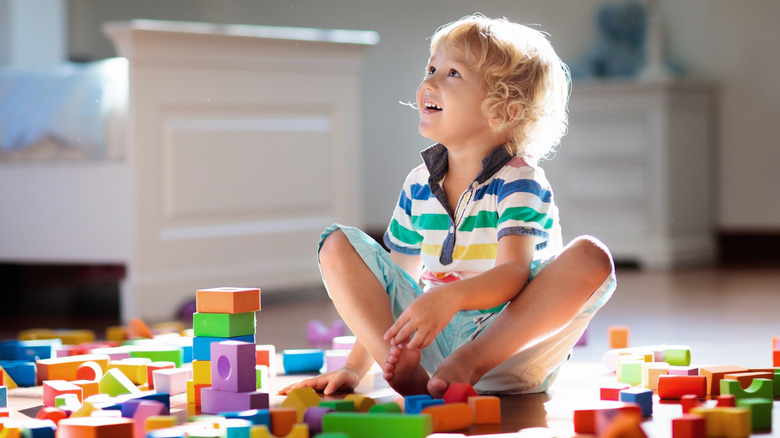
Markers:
<point>450,371</point>
<point>403,371</point>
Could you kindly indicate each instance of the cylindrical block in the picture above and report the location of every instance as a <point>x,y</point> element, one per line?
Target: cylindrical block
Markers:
<point>303,360</point>
<point>671,386</point>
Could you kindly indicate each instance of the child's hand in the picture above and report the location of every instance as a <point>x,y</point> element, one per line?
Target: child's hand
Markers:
<point>426,317</point>
<point>342,379</point>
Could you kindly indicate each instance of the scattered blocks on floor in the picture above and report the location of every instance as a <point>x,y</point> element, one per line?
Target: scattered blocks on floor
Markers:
<point>303,360</point>
<point>640,396</point>
<point>674,387</point>
<point>358,425</point>
<point>759,388</point>
<point>301,399</point>
<point>728,422</point>
<point>714,374</point>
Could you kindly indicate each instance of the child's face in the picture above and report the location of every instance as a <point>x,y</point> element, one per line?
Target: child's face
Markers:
<point>449,101</point>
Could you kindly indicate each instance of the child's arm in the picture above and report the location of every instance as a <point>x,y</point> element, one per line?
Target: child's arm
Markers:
<point>432,311</point>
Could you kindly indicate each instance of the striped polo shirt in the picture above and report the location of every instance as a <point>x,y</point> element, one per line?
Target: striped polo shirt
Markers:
<point>510,195</point>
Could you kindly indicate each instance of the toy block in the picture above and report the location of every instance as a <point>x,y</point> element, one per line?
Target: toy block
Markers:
<point>678,356</point>
<point>254,416</point>
<point>486,409</point>
<point>760,412</point>
<point>361,403</point>
<point>303,360</point>
<point>67,336</point>
<point>53,414</point>
<point>236,428</point>
<point>358,425</point>
<point>338,405</point>
<point>67,402</point>
<point>320,336</point>
<point>133,368</point>
<point>193,392</point>
<point>3,397</point>
<point>227,300</point>
<point>759,388</point>
<point>151,367</point>
<point>159,354</point>
<point>117,333</point>
<point>139,329</point>
<point>387,407</point>
<point>7,380</point>
<point>689,426</point>
<point>412,403</point>
<point>431,402</point>
<point>201,345</point>
<point>745,379</point>
<point>585,419</point>
<point>683,371</point>
<point>297,431</point>
<point>611,391</point>
<point>29,350</point>
<point>458,393</point>
<point>335,359</point>
<point>674,387</point>
<point>223,325</point>
<point>725,422</point>
<point>640,396</point>
<point>614,424</point>
<point>156,422</point>
<point>651,371</point>
<point>282,420</point>
<point>313,418</point>
<point>95,427</point>
<point>66,368</point>
<point>53,388</point>
<point>89,371</point>
<point>21,372</point>
<point>301,399</point>
<point>261,371</point>
<point>265,354</point>
<point>144,410</point>
<point>688,402</point>
<point>618,336</point>
<point>631,372</point>
<point>114,353</point>
<point>171,381</point>
<point>114,382</point>
<point>4,413</point>
<point>343,342</point>
<point>214,402</point>
<point>201,371</point>
<point>726,400</point>
<point>448,417</point>
<point>715,373</point>
<point>233,366</point>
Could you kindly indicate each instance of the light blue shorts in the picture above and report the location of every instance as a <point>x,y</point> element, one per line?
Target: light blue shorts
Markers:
<point>532,370</point>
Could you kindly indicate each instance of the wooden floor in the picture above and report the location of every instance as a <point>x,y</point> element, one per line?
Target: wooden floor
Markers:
<point>727,316</point>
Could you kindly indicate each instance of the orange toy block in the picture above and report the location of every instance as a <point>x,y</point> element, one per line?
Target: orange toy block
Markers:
<point>585,419</point>
<point>674,386</point>
<point>619,425</point>
<point>618,336</point>
<point>95,427</point>
<point>139,329</point>
<point>776,358</point>
<point>89,387</point>
<point>66,368</point>
<point>265,354</point>
<point>449,416</point>
<point>283,420</point>
<point>53,388</point>
<point>458,393</point>
<point>714,374</point>
<point>689,426</point>
<point>486,409</point>
<point>227,300</point>
<point>89,371</point>
<point>53,414</point>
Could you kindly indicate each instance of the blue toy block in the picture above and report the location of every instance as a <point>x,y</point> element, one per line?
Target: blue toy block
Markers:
<point>256,416</point>
<point>3,396</point>
<point>432,402</point>
<point>201,345</point>
<point>37,428</point>
<point>237,428</point>
<point>29,350</point>
<point>412,403</point>
<point>640,396</point>
<point>166,433</point>
<point>21,372</point>
<point>303,360</point>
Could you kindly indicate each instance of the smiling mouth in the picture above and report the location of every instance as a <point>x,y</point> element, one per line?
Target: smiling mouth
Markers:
<point>432,107</point>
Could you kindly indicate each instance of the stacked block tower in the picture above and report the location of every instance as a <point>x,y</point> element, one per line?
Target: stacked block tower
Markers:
<point>223,351</point>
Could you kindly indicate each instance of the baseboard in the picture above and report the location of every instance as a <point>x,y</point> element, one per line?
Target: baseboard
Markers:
<point>754,246</point>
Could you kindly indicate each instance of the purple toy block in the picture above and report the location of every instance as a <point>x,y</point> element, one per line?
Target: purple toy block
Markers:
<point>313,418</point>
<point>214,402</point>
<point>321,336</point>
<point>683,371</point>
<point>233,366</point>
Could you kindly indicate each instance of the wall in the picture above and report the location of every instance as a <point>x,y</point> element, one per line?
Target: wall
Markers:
<point>726,41</point>
<point>32,33</point>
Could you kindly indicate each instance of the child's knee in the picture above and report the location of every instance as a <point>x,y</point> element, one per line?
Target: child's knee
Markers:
<point>333,246</point>
<point>594,253</point>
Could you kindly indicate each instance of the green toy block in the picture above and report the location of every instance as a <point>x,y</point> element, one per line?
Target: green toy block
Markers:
<point>114,383</point>
<point>760,388</point>
<point>777,382</point>
<point>159,354</point>
<point>631,372</point>
<point>223,325</point>
<point>339,405</point>
<point>389,408</point>
<point>760,412</point>
<point>678,356</point>
<point>379,425</point>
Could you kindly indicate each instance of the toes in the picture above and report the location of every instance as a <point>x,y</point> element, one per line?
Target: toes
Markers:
<point>437,387</point>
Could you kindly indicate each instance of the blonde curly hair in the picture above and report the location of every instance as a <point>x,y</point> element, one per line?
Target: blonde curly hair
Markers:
<point>527,84</point>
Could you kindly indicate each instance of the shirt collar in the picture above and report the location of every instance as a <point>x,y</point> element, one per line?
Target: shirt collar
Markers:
<point>435,159</point>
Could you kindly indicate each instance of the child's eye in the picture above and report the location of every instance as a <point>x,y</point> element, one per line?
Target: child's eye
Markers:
<point>430,70</point>
<point>454,74</point>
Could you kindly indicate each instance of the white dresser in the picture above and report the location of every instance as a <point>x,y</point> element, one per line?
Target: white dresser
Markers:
<point>636,170</point>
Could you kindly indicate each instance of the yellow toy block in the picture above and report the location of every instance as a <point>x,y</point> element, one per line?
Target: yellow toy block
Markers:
<point>160,422</point>
<point>134,368</point>
<point>8,382</point>
<point>68,337</point>
<point>362,403</point>
<point>117,333</point>
<point>86,410</point>
<point>726,422</point>
<point>618,336</point>
<point>300,430</point>
<point>66,368</point>
<point>301,399</point>
<point>201,371</point>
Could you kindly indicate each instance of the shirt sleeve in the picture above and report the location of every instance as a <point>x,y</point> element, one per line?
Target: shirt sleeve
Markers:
<point>525,206</point>
<point>401,235</point>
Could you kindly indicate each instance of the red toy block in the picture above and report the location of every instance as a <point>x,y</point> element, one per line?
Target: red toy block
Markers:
<point>611,391</point>
<point>672,386</point>
<point>50,413</point>
<point>228,300</point>
<point>89,371</point>
<point>449,416</point>
<point>618,336</point>
<point>689,426</point>
<point>53,388</point>
<point>726,401</point>
<point>585,419</point>
<point>486,409</point>
<point>95,427</point>
<point>714,374</point>
<point>688,402</point>
<point>458,393</point>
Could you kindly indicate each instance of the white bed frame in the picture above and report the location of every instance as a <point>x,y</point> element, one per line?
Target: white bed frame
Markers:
<point>241,144</point>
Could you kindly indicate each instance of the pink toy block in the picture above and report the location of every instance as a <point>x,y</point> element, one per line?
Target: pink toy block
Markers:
<point>214,402</point>
<point>144,410</point>
<point>683,371</point>
<point>171,381</point>
<point>689,426</point>
<point>233,366</point>
<point>611,391</point>
<point>343,342</point>
<point>53,388</point>
<point>154,366</point>
<point>335,359</point>
<point>458,393</point>
<point>228,300</point>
